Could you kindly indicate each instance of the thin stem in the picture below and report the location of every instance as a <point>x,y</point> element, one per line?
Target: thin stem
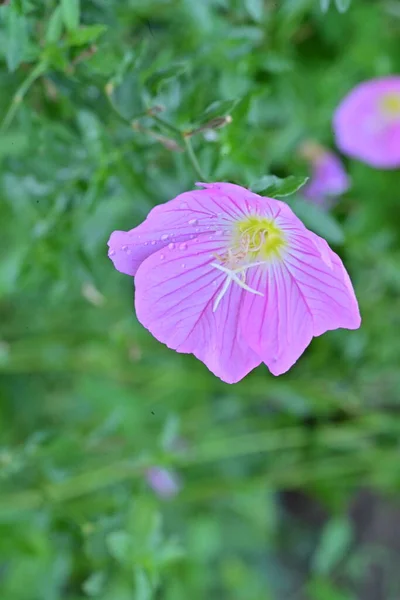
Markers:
<point>166,124</point>
<point>193,158</point>
<point>20,93</point>
<point>116,111</point>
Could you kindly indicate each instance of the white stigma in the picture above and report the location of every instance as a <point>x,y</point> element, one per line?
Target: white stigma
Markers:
<point>232,276</point>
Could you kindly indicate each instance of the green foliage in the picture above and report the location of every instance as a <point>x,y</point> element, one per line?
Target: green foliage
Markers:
<point>275,187</point>
<point>108,108</point>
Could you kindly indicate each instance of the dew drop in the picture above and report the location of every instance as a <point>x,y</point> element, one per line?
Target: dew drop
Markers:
<point>193,222</point>
<point>183,265</point>
<point>164,237</point>
<point>171,246</point>
<point>153,243</point>
<point>111,253</point>
<point>146,243</point>
<point>124,248</point>
<point>162,256</point>
<point>182,246</point>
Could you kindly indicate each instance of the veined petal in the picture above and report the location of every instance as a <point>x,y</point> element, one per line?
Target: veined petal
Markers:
<point>277,326</point>
<point>324,284</point>
<point>175,300</point>
<point>305,293</point>
<point>189,215</point>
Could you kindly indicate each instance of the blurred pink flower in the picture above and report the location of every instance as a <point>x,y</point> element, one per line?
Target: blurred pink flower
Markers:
<point>163,482</point>
<point>235,279</point>
<point>367,122</point>
<point>328,179</point>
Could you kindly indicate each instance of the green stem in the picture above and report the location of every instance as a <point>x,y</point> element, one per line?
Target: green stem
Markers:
<point>187,142</point>
<point>193,158</point>
<point>20,93</point>
<point>166,125</point>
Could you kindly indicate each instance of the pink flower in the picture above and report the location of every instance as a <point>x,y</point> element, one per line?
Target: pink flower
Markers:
<point>329,178</point>
<point>235,279</point>
<point>163,482</point>
<point>367,122</point>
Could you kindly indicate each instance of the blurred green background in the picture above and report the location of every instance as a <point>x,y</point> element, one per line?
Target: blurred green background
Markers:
<point>288,487</point>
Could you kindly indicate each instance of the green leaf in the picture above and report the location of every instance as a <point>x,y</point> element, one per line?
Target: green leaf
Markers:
<point>143,588</point>
<point>17,39</point>
<point>86,35</point>
<point>119,544</point>
<point>318,221</point>
<point>220,108</point>
<point>161,76</point>
<point>255,8</point>
<point>324,4</point>
<point>323,589</point>
<point>55,26</point>
<point>56,57</point>
<point>342,5</point>
<point>275,187</point>
<point>333,546</point>
<point>94,585</point>
<point>71,13</point>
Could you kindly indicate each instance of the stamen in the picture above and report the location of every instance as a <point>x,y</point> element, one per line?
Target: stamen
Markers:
<point>231,276</point>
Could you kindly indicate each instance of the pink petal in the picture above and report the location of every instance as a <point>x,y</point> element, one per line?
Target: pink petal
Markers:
<point>191,214</point>
<point>278,326</point>
<point>362,130</point>
<point>306,293</point>
<point>324,284</point>
<point>175,295</point>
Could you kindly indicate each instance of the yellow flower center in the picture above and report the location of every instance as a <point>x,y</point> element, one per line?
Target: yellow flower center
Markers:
<point>255,240</point>
<point>390,104</point>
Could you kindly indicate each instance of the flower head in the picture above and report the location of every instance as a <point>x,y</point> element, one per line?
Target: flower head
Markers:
<point>329,178</point>
<point>235,279</point>
<point>367,122</point>
<point>164,482</point>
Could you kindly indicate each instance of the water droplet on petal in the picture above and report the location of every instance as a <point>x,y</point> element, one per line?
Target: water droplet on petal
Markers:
<point>193,222</point>
<point>146,243</point>
<point>171,246</point>
<point>111,253</point>
<point>164,237</point>
<point>162,256</point>
<point>183,265</point>
<point>182,246</point>
<point>153,243</point>
<point>124,248</point>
